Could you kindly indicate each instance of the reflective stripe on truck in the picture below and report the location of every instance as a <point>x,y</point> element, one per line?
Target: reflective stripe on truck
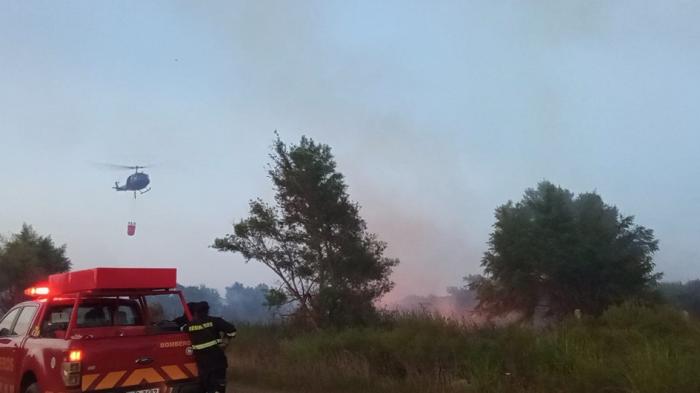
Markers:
<point>124,378</point>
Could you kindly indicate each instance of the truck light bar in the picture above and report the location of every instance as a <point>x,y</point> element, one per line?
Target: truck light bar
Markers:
<point>37,291</point>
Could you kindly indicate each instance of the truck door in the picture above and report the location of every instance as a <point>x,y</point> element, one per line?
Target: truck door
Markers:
<point>7,350</point>
<point>11,348</point>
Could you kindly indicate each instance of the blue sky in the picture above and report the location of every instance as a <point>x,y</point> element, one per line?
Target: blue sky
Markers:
<point>437,112</point>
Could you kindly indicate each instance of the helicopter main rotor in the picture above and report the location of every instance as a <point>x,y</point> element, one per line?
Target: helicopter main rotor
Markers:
<point>119,167</point>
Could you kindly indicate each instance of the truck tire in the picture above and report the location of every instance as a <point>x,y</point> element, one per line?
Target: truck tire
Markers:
<point>33,388</point>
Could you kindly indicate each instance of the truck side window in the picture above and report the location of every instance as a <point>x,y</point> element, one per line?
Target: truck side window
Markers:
<point>126,315</point>
<point>56,319</point>
<point>7,322</point>
<point>98,315</point>
<point>24,322</point>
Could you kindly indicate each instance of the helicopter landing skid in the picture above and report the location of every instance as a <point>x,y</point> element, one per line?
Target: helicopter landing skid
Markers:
<point>141,192</point>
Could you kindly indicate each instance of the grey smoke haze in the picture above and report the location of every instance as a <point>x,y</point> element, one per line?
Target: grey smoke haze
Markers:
<point>437,113</point>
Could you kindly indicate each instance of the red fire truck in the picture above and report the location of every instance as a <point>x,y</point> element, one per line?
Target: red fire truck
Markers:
<point>105,329</point>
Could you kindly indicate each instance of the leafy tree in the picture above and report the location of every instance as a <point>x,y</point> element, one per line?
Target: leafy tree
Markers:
<point>313,239</point>
<point>563,253</point>
<point>202,293</point>
<point>25,259</point>
<point>247,304</point>
<point>683,295</point>
<point>464,297</point>
<point>241,303</point>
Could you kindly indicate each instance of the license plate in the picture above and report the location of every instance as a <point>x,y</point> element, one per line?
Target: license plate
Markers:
<point>154,390</point>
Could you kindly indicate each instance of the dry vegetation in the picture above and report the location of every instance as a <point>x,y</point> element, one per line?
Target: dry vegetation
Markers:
<point>628,349</point>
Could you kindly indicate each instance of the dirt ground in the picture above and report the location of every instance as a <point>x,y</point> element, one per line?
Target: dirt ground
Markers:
<point>236,388</point>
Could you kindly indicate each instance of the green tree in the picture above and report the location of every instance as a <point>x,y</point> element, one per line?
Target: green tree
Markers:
<point>248,304</point>
<point>202,293</point>
<point>685,296</point>
<point>564,252</point>
<point>314,240</point>
<point>464,296</point>
<point>25,259</point>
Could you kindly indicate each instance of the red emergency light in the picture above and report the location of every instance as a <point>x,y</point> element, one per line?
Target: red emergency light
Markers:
<point>111,279</point>
<point>37,291</point>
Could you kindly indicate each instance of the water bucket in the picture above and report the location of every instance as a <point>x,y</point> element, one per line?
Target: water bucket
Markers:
<point>131,229</point>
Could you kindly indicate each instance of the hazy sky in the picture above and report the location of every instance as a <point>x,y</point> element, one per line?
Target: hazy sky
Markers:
<point>437,112</point>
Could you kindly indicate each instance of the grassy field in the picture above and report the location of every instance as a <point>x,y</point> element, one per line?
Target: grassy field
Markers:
<point>628,349</point>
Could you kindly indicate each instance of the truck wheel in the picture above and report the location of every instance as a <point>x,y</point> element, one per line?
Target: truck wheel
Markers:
<point>33,388</point>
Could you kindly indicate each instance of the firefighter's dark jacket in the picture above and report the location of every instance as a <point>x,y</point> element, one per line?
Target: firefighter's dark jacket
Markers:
<point>206,335</point>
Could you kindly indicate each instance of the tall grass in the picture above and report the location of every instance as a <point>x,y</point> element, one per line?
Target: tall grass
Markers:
<point>628,349</point>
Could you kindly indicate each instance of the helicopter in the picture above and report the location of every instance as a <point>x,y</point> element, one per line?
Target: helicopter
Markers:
<point>136,182</point>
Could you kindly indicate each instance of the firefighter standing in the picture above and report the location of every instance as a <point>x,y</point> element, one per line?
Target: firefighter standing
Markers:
<point>182,320</point>
<point>209,335</point>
